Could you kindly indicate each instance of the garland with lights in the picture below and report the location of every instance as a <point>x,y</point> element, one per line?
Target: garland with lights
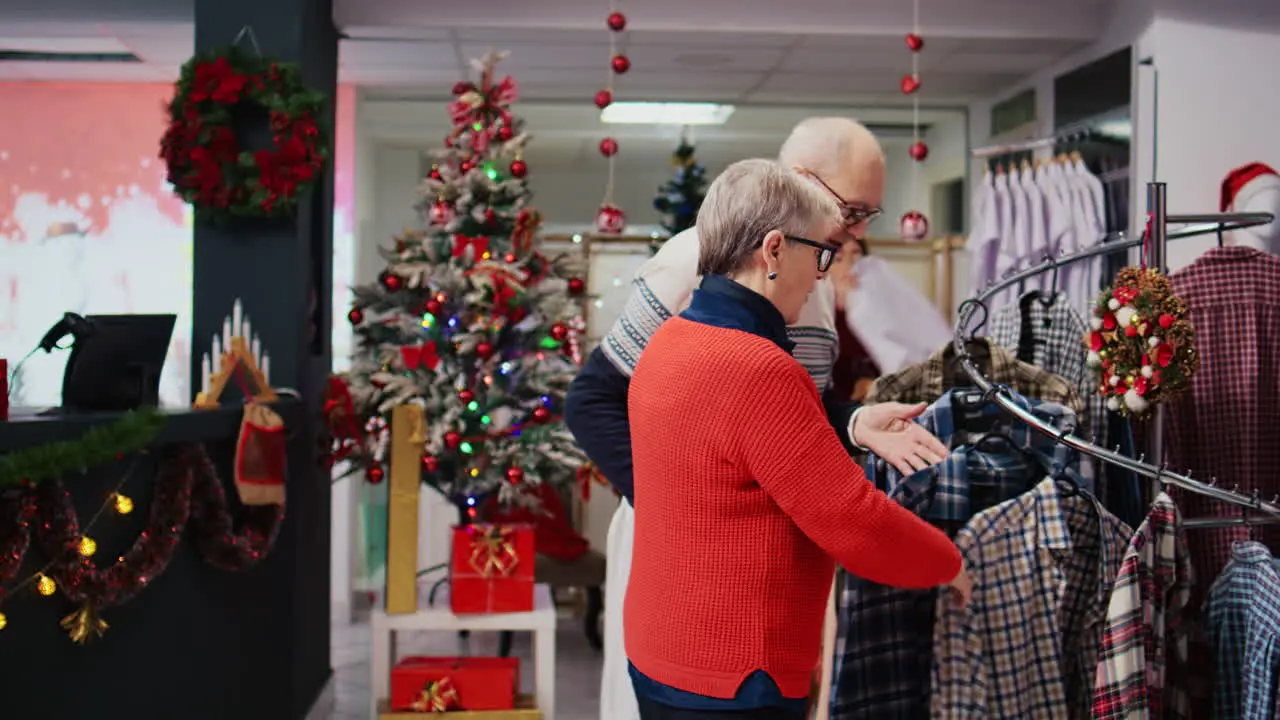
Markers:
<point>99,445</point>
<point>207,165</point>
<point>1141,345</point>
<point>187,491</point>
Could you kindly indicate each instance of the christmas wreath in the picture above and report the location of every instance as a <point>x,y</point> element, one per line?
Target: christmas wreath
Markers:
<point>1142,345</point>
<point>221,95</point>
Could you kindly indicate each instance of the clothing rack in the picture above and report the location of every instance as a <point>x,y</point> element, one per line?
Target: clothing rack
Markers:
<point>1085,129</point>
<point>1159,235</point>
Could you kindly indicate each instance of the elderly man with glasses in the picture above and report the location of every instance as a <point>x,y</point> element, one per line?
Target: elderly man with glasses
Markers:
<point>846,161</point>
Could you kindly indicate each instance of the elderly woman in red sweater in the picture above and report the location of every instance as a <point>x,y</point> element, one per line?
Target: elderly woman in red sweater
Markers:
<point>744,494</point>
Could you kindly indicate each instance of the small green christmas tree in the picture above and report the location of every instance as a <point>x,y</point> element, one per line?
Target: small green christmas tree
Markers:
<point>680,197</point>
<point>472,320</point>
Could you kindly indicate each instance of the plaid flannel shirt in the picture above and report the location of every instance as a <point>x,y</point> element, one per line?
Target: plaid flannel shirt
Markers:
<point>927,381</point>
<point>1026,646</point>
<point>1244,631</point>
<point>884,635</point>
<point>1142,671</point>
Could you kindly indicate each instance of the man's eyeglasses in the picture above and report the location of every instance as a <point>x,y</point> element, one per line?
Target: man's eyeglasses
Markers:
<point>826,252</point>
<point>851,214</point>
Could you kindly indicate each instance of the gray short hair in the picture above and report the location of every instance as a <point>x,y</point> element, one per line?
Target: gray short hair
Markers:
<point>748,200</point>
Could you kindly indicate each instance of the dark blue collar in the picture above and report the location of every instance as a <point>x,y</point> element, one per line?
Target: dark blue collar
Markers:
<point>721,302</point>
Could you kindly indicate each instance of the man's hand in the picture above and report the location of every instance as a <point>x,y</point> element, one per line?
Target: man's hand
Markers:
<point>887,430</point>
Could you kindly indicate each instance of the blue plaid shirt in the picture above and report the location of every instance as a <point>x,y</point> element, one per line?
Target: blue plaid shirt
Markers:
<point>884,635</point>
<point>1244,630</point>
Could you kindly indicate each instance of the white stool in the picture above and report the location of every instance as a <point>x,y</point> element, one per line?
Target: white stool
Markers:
<point>541,621</point>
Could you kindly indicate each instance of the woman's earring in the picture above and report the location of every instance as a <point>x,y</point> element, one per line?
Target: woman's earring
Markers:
<point>773,275</point>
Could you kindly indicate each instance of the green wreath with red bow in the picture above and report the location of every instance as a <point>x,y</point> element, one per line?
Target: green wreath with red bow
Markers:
<point>219,95</point>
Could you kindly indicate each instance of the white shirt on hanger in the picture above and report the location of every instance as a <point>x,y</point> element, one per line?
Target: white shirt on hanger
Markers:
<point>984,239</point>
<point>1060,227</point>
<point>1037,223</point>
<point>1006,260</point>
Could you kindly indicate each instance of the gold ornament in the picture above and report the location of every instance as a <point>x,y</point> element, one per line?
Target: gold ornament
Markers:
<point>84,625</point>
<point>1102,353</point>
<point>124,504</point>
<point>88,546</point>
<point>45,585</point>
<point>1128,380</point>
<point>4,621</point>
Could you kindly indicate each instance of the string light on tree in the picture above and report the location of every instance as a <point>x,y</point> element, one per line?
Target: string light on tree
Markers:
<point>610,219</point>
<point>914,226</point>
<point>123,503</point>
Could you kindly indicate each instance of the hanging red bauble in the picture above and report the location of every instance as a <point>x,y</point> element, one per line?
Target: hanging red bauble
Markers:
<point>509,258</point>
<point>433,307</point>
<point>559,331</point>
<point>461,87</point>
<point>505,133</point>
<point>919,151</point>
<point>435,173</point>
<point>430,463</point>
<point>604,99</point>
<point>515,475</point>
<point>484,350</point>
<point>617,21</point>
<point>914,42</point>
<point>620,64</point>
<point>577,286</point>
<point>441,213</point>
<point>541,414</point>
<point>910,84</point>
<point>914,226</point>
<point>466,166</point>
<point>452,439</point>
<point>608,147</point>
<point>519,169</point>
<point>466,395</point>
<point>490,216</point>
<point>356,316</point>
<point>610,219</point>
<point>391,282</point>
<point>375,475</point>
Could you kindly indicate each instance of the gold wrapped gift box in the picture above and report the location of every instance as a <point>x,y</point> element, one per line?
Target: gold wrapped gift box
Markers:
<point>525,709</point>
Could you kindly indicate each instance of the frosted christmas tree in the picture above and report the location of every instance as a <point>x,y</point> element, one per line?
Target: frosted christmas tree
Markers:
<point>471,319</point>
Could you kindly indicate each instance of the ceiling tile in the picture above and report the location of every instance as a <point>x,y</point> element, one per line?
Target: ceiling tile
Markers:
<point>704,39</point>
<point>980,62</point>
<point>538,36</point>
<point>527,56</point>
<point>851,60</point>
<point>1052,46</point>
<point>701,58</point>
<point>439,80</point>
<point>397,54</point>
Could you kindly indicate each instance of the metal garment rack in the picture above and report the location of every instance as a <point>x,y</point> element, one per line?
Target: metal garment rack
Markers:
<point>1159,235</point>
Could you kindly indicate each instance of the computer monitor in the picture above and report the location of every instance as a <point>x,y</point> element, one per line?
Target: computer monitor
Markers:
<point>117,367</point>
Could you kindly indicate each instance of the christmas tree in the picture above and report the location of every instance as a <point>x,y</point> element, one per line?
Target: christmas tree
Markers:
<point>472,320</point>
<point>680,197</point>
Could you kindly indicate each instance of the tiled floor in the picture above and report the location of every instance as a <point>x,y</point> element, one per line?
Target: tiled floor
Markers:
<point>577,665</point>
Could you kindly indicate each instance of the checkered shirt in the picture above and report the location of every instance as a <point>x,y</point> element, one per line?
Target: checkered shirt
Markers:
<point>1026,646</point>
<point>1224,426</point>
<point>1142,673</point>
<point>884,635</point>
<point>1056,344</point>
<point>1244,631</point>
<point>927,381</point>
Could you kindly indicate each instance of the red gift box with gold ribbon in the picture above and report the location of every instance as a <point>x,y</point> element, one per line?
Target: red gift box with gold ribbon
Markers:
<point>491,569</point>
<point>445,684</point>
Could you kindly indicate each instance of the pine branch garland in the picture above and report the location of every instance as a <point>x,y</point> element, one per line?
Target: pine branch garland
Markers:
<point>99,445</point>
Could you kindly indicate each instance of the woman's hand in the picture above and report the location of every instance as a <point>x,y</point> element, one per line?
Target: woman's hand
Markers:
<point>887,430</point>
<point>961,588</point>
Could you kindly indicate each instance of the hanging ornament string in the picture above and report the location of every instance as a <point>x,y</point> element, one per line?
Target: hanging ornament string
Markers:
<point>914,226</point>
<point>610,218</point>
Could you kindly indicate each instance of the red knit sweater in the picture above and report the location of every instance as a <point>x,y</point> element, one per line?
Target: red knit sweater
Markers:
<point>744,495</point>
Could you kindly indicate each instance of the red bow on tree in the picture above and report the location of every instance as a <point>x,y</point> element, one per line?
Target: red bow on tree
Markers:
<point>462,242</point>
<point>502,295</point>
<point>423,355</point>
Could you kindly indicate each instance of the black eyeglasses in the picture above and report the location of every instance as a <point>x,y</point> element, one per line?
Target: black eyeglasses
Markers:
<point>826,252</point>
<point>852,215</point>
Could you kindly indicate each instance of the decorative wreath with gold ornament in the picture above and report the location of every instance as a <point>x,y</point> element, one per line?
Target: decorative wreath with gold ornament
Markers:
<point>1142,345</point>
<point>217,96</point>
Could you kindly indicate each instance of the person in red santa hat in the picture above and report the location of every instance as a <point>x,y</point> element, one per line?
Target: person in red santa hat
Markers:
<point>1253,188</point>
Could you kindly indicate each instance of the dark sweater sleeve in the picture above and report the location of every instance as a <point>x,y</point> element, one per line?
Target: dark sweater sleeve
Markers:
<point>596,412</point>
<point>839,410</point>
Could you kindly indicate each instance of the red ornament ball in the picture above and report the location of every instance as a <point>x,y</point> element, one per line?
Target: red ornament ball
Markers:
<point>375,475</point>
<point>391,282</point>
<point>452,439</point>
<point>484,350</point>
<point>441,213</point>
<point>490,216</point>
<point>577,286</point>
<point>610,219</point>
<point>515,475</point>
<point>914,226</point>
<point>1165,321</point>
<point>466,166</point>
<point>914,42</point>
<point>604,99</point>
<point>461,87</point>
<point>505,133</point>
<point>617,21</point>
<point>620,64</point>
<point>430,463</point>
<point>435,173</point>
<point>541,414</point>
<point>910,84</point>
<point>509,258</point>
<point>519,169</point>
<point>433,307</point>
<point>919,151</point>
<point>356,316</point>
<point>608,147</point>
<point>559,331</point>
<point>466,395</point>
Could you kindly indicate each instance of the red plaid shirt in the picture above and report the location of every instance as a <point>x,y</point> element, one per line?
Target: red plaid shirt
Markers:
<point>1225,426</point>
